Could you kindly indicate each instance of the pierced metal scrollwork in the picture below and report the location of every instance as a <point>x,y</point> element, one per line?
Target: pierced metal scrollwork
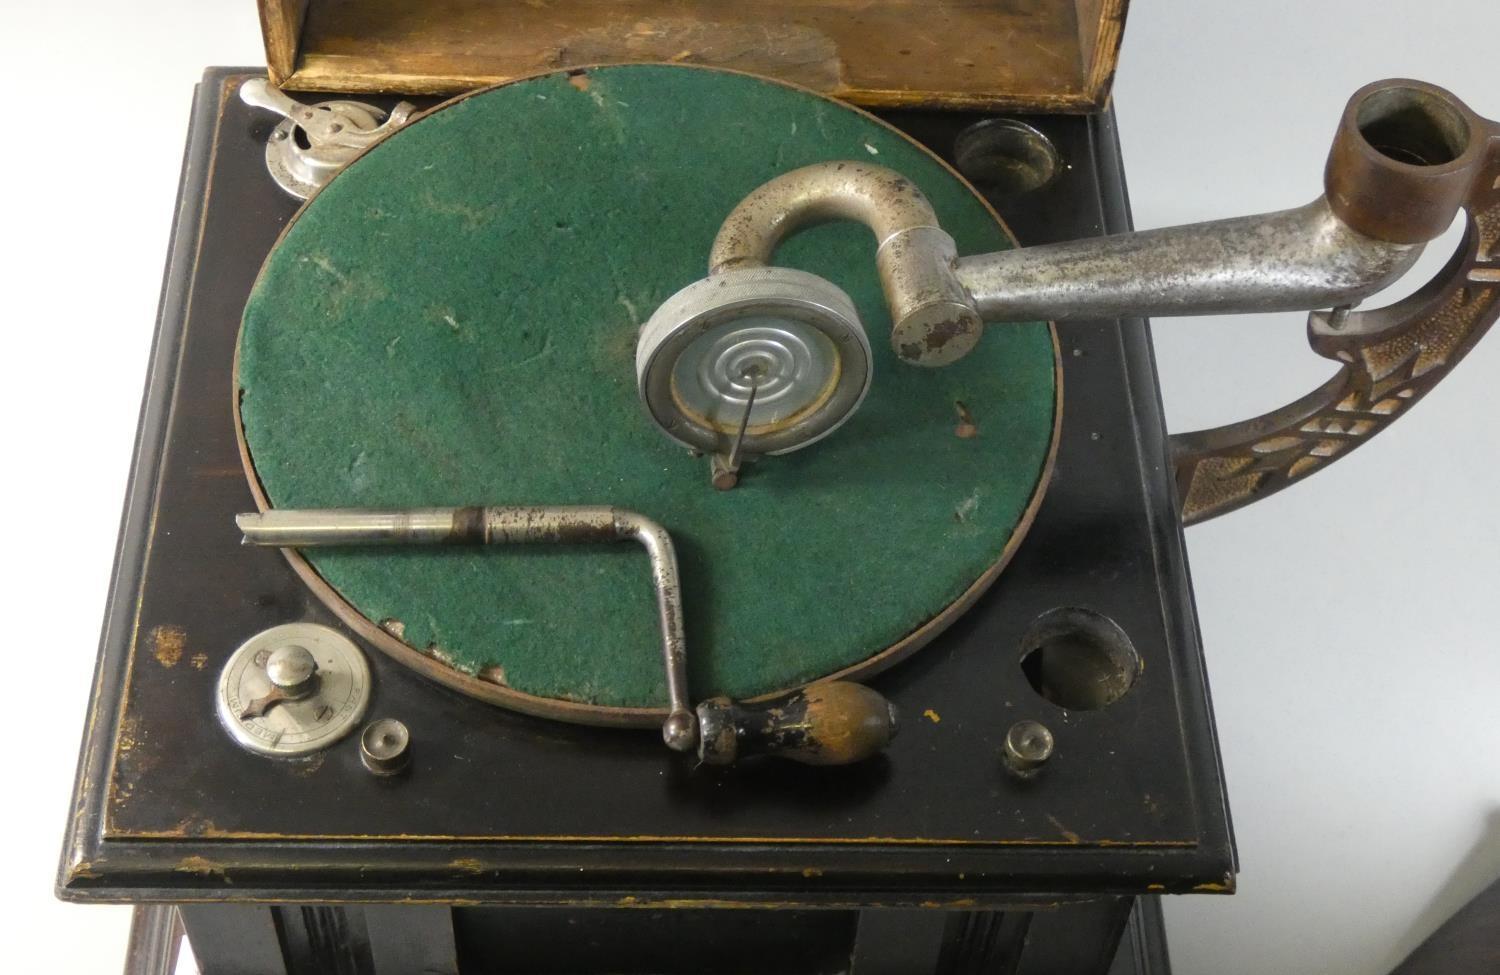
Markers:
<point>1391,357</point>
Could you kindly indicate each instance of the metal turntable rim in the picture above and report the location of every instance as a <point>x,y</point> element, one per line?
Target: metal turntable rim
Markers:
<point>646,717</point>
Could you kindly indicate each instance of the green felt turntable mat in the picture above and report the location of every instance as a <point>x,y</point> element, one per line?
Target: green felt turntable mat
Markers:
<point>452,321</point>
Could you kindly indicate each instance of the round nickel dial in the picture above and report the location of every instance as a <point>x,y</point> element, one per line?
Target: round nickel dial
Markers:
<point>293,689</point>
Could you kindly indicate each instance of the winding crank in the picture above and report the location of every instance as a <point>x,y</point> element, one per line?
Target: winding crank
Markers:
<point>828,723</point>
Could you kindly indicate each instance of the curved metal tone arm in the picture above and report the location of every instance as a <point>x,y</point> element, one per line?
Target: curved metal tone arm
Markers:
<point>1406,158</point>
<point>1287,261</point>
<point>509,525</point>
<point>933,320</point>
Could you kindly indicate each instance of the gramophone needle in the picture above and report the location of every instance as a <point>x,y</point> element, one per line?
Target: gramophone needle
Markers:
<point>734,453</point>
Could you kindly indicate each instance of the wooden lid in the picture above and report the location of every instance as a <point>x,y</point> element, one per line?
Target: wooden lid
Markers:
<point>1043,55</point>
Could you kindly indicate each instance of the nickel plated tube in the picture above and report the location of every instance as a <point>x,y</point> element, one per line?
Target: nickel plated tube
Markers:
<point>507,525</point>
<point>1291,260</point>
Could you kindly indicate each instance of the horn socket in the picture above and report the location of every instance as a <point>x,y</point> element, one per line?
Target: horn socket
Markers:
<point>1412,126</point>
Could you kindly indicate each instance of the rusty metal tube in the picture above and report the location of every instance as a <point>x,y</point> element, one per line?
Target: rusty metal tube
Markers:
<point>508,525</point>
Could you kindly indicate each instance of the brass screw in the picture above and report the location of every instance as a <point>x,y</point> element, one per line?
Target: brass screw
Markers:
<point>384,747</point>
<point>1028,745</point>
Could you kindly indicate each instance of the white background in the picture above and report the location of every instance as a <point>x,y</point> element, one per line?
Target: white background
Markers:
<point>1348,623</point>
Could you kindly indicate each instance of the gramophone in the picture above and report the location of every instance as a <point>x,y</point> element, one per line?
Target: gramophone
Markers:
<point>896,668</point>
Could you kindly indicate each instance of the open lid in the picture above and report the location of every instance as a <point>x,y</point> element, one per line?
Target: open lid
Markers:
<point>1044,55</point>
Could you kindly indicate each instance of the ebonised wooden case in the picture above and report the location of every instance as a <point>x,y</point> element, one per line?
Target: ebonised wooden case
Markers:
<point>960,862</point>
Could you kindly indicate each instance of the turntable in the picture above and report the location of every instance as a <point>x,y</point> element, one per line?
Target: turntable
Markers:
<point>657,517</point>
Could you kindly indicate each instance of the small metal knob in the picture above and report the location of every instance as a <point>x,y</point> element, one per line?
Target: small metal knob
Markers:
<point>1028,745</point>
<point>293,671</point>
<point>385,746</point>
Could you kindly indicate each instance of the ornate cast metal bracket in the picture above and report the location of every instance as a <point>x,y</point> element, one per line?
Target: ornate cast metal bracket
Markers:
<point>1390,357</point>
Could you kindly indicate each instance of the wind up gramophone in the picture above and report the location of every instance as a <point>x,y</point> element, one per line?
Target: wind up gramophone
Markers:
<point>904,582</point>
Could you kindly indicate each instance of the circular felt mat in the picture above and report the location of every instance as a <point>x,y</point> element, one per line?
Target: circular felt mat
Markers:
<point>453,321</point>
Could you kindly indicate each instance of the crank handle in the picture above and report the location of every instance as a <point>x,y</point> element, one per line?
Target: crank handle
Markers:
<point>832,723</point>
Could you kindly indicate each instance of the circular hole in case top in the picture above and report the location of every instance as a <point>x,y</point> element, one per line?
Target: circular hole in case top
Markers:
<point>1078,659</point>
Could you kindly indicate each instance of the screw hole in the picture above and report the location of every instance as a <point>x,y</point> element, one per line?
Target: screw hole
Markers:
<point>1078,659</point>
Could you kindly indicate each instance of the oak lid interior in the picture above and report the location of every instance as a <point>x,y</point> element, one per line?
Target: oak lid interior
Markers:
<point>1051,55</point>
